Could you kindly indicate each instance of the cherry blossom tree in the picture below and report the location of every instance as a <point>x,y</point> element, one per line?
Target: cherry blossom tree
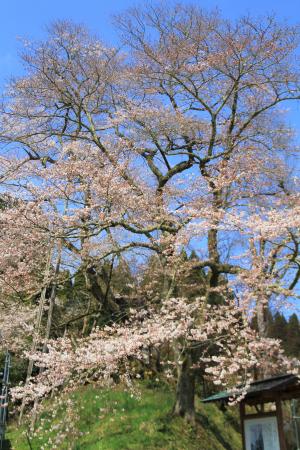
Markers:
<point>177,142</point>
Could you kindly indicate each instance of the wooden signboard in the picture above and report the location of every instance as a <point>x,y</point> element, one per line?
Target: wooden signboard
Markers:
<point>262,421</point>
<point>261,433</point>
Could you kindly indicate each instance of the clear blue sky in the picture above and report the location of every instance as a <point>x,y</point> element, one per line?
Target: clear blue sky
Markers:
<point>28,18</point>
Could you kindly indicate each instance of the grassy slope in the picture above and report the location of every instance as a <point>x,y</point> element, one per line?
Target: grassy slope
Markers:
<point>113,420</point>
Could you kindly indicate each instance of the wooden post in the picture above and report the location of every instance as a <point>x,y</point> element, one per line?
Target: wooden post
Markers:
<point>280,424</point>
<point>242,417</point>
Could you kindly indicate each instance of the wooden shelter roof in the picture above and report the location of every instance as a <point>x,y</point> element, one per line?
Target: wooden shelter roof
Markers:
<point>286,386</point>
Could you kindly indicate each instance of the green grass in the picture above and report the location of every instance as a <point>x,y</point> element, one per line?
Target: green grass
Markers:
<point>114,420</point>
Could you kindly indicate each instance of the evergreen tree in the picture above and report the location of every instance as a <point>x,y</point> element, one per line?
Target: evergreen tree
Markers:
<point>278,328</point>
<point>293,336</point>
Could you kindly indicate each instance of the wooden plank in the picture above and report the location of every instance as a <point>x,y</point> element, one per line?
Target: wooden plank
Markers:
<point>260,415</point>
<point>242,417</point>
<point>280,425</point>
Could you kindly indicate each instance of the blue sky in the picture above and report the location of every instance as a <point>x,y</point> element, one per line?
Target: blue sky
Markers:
<point>28,18</point>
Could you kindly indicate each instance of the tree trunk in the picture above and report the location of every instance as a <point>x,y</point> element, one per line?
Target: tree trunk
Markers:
<point>154,359</point>
<point>262,327</point>
<point>185,391</point>
<point>262,317</point>
<point>104,297</point>
<point>37,327</point>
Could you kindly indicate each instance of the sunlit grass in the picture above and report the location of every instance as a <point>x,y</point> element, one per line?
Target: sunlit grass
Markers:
<point>114,419</point>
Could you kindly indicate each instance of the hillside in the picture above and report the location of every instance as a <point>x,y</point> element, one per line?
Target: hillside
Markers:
<point>113,419</point>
